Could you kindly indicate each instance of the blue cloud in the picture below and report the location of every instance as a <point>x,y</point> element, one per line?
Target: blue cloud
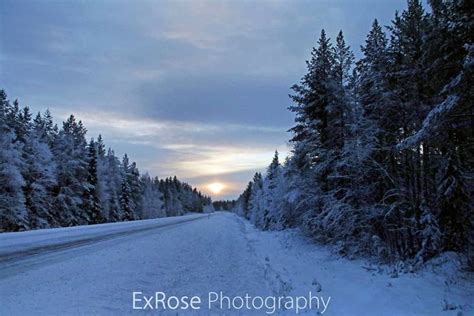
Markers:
<point>218,71</point>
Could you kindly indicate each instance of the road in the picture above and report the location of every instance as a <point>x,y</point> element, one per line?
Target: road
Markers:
<point>19,249</point>
<point>95,271</point>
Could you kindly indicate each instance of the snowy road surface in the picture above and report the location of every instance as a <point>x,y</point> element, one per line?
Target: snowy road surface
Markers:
<point>95,270</point>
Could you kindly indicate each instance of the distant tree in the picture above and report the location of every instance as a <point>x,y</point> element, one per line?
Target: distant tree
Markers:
<point>113,187</point>
<point>51,177</point>
<point>152,199</point>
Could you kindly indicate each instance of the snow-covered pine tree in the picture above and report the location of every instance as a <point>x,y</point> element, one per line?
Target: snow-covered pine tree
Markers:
<point>340,107</point>
<point>113,187</point>
<point>340,118</point>
<point>406,156</point>
<point>312,97</point>
<point>431,236</point>
<point>13,214</point>
<point>50,129</point>
<point>455,217</point>
<point>408,85</point>
<point>446,134</point>
<point>241,205</point>
<point>126,202</point>
<point>40,177</point>
<point>256,210</point>
<point>54,178</point>
<point>152,199</point>
<point>375,124</point>
<point>71,158</point>
<point>101,187</point>
<point>135,189</point>
<point>90,202</point>
<point>23,126</point>
<point>246,198</point>
<point>272,191</point>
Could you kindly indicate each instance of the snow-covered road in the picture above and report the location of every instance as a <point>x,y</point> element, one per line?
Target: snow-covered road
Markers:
<point>95,270</point>
<point>98,276</point>
<point>15,247</point>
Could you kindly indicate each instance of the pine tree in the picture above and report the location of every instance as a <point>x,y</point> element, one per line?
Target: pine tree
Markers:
<point>272,194</point>
<point>13,214</point>
<point>135,189</point>
<point>103,192</point>
<point>40,178</point>
<point>71,158</point>
<point>152,199</point>
<point>312,97</point>
<point>243,201</point>
<point>431,235</point>
<point>50,129</point>
<point>113,186</point>
<point>126,203</point>
<point>382,159</point>
<point>375,129</point>
<point>256,211</point>
<point>372,84</point>
<point>24,124</point>
<point>339,109</point>
<point>100,147</point>
<point>51,177</point>
<point>454,204</point>
<point>91,202</point>
<point>446,133</point>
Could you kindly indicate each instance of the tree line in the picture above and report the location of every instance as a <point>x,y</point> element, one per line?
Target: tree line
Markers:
<point>53,177</point>
<point>382,147</point>
<point>224,205</point>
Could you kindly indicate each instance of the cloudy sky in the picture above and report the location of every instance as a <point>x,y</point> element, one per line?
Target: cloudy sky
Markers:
<point>197,89</point>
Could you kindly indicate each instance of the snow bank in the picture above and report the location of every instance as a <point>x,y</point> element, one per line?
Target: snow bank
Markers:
<point>359,288</point>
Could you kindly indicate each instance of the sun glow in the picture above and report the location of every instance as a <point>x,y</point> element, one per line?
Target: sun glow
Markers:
<point>216,187</point>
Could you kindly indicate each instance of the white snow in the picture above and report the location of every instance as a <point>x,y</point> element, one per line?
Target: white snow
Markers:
<point>217,252</point>
<point>359,288</point>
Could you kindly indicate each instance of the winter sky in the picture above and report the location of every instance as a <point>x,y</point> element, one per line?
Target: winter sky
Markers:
<point>197,89</point>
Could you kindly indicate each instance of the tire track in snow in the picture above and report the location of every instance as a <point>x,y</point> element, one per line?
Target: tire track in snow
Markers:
<point>281,286</point>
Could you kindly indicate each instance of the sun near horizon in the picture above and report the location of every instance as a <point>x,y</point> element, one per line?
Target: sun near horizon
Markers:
<point>216,187</point>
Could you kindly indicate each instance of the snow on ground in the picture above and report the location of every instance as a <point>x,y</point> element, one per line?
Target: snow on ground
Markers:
<point>221,252</point>
<point>192,258</point>
<point>358,288</point>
